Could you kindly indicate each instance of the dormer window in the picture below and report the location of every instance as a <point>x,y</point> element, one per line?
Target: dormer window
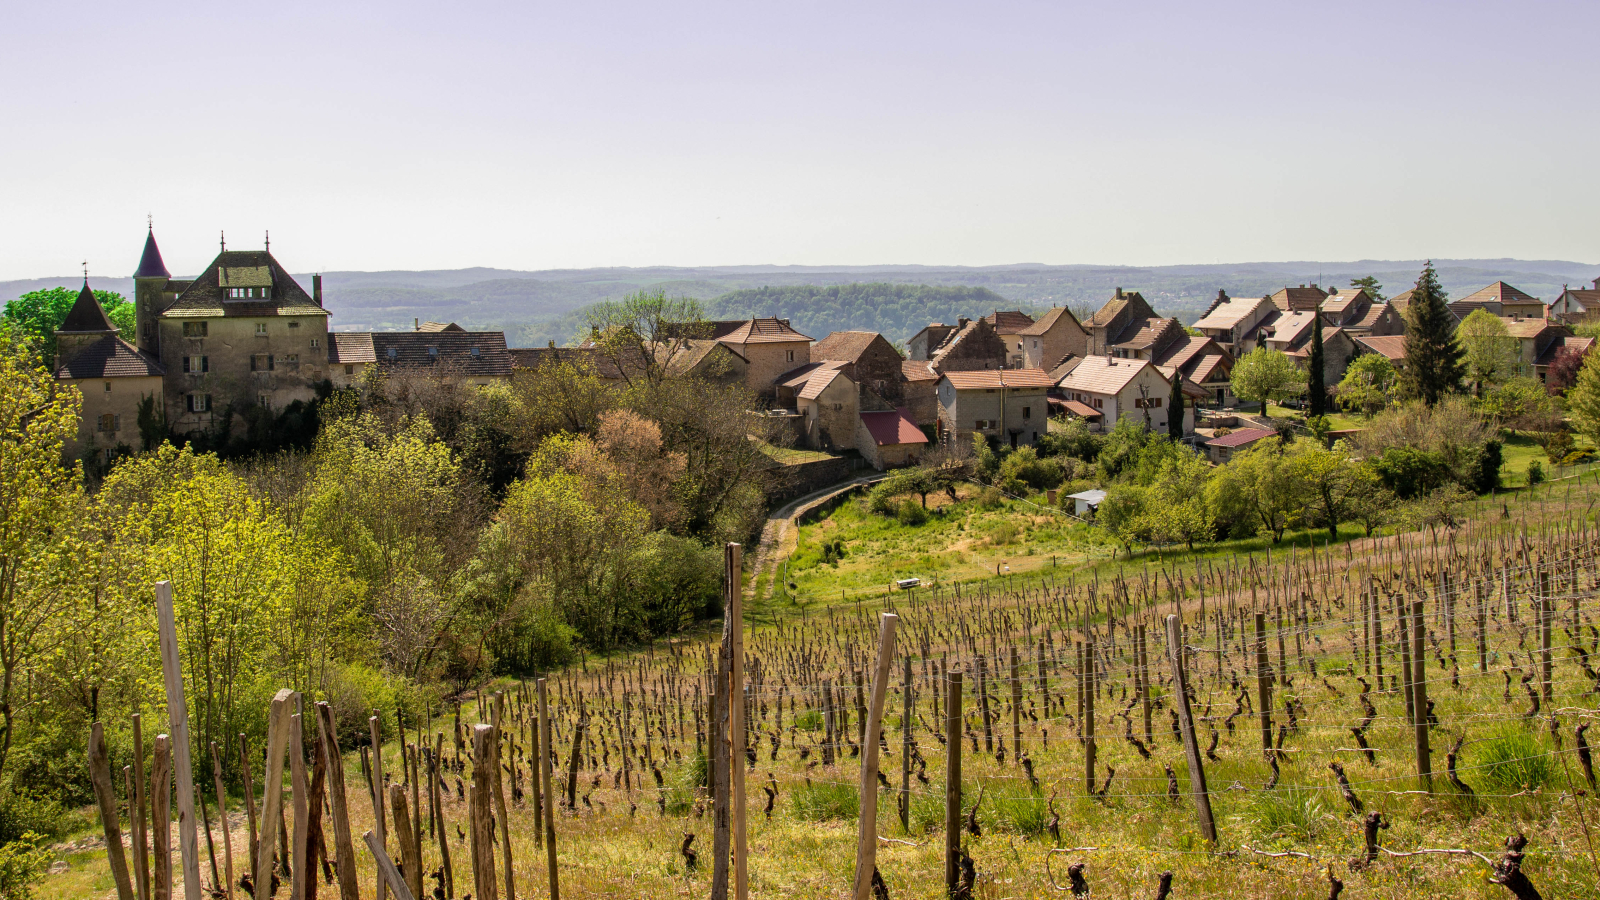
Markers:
<point>245,282</point>
<point>247,293</point>
<point>392,353</point>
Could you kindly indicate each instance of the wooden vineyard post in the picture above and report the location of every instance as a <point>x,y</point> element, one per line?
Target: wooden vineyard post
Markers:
<point>867,823</point>
<point>375,794</point>
<point>106,796</point>
<point>1547,614</point>
<point>249,800</point>
<point>735,700</point>
<point>1089,690</point>
<point>549,793</point>
<point>952,783</point>
<point>905,748</point>
<point>387,874</point>
<point>1419,701</point>
<point>481,810</point>
<point>441,834</point>
<point>1263,681</point>
<point>1016,708</point>
<point>499,802</point>
<point>1483,639</point>
<point>338,808</point>
<point>138,821</point>
<point>536,785</point>
<point>1144,679</point>
<point>300,855</point>
<point>1375,621</point>
<point>178,718</point>
<point>222,813</point>
<point>161,816</point>
<point>272,786</point>
<point>410,853</point>
<point>1191,748</point>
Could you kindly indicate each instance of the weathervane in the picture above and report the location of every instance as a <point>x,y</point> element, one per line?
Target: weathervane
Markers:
<point>269,241</point>
<point>224,239</point>
<point>86,271</point>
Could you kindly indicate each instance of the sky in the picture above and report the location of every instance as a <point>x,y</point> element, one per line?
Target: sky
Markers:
<point>536,135</point>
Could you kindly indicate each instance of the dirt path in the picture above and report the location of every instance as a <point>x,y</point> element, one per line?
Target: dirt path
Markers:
<point>778,536</point>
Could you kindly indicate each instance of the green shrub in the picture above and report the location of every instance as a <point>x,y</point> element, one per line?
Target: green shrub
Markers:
<point>690,781</point>
<point>1535,473</point>
<point>1576,457</point>
<point>911,513</point>
<point>823,801</point>
<point>22,865</point>
<point>1512,761</point>
<point>1558,445</point>
<point>1002,532</point>
<point>24,812</point>
<point>991,498</point>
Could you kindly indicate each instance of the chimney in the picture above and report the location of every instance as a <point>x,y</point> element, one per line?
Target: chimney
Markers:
<point>416,324</point>
<point>1597,284</point>
<point>316,288</point>
<point>1119,293</point>
<point>962,322</point>
<point>1314,287</point>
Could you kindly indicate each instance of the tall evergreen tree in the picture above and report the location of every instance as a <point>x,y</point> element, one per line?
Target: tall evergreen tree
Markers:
<point>1316,382</point>
<point>1434,365</point>
<point>1175,414</point>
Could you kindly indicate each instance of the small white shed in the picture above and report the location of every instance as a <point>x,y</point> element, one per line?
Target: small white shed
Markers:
<point>1084,503</point>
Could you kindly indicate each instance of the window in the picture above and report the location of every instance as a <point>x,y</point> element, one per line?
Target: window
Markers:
<point>265,400</point>
<point>433,354</point>
<point>391,353</point>
<point>1035,343</point>
<point>294,323</point>
<point>196,365</point>
<point>313,343</point>
<point>194,329</point>
<point>247,293</point>
<point>476,353</point>
<point>349,370</point>
<point>261,329</point>
<point>108,387</point>
<point>1147,403</point>
<point>983,424</point>
<point>1027,412</point>
<point>1098,404</point>
<point>791,356</point>
<point>109,422</point>
<point>198,403</point>
<point>261,362</point>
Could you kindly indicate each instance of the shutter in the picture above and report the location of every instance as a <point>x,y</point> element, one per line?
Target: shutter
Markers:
<point>205,364</point>
<point>186,365</point>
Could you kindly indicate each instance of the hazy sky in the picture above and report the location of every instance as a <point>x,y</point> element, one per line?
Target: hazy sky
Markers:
<point>544,135</point>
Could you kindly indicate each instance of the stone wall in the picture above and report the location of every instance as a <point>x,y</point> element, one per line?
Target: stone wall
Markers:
<point>799,479</point>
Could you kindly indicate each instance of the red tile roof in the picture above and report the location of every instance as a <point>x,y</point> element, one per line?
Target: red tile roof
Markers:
<point>1082,409</point>
<point>843,345</point>
<point>1099,375</point>
<point>994,378</point>
<point>1049,320</point>
<point>917,370</point>
<point>763,331</point>
<point>1009,322</point>
<point>109,357</point>
<point>893,427</point>
<point>1392,346</point>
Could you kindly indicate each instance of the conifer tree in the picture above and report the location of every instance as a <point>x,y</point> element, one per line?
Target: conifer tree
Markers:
<point>1175,414</point>
<point>1433,364</point>
<point>1316,383</point>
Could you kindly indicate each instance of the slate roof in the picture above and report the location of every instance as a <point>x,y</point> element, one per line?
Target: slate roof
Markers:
<point>1049,320</point>
<point>150,264</point>
<point>1142,334</point>
<point>1120,301</point>
<point>762,331</point>
<point>412,350</point>
<point>995,378</point>
<point>1184,350</point>
<point>86,314</point>
<point>893,427</point>
<point>1241,437</point>
<point>109,357</point>
<point>1374,312</point>
<point>1338,301</point>
<point>1009,321</point>
<point>691,354</point>
<point>1099,375</point>
<point>843,345</point>
<point>204,296</point>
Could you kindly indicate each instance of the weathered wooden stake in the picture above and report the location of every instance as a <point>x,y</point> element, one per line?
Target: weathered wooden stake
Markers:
<point>1191,748</point>
<point>1016,708</point>
<point>140,820</point>
<point>106,796</point>
<point>300,868</point>
<point>338,808</point>
<point>161,816</point>
<point>1263,679</point>
<point>178,717</point>
<point>375,792</point>
<point>272,787</point>
<point>867,823</point>
<point>736,726</point>
<point>1419,702</point>
<point>500,798</point>
<point>905,748</point>
<point>549,795</point>
<point>952,783</point>
<point>387,874</point>
<point>222,814</point>
<point>410,853</point>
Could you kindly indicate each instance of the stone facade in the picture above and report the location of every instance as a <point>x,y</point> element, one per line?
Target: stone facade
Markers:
<point>1055,336</point>
<point>831,413</point>
<point>1013,409</point>
<point>112,376</point>
<point>869,359</point>
<point>770,348</point>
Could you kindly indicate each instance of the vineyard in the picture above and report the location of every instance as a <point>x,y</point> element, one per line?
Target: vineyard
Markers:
<point>1392,717</point>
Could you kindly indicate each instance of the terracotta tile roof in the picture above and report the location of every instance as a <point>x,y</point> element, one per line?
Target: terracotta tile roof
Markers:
<point>86,314</point>
<point>1299,298</point>
<point>843,345</point>
<point>1374,312</point>
<point>1009,321</point>
<point>1502,293</point>
<point>351,348</point>
<point>1526,328</point>
<point>1082,410</point>
<point>1229,314</point>
<point>763,331</point>
<point>1392,346</point>
<point>1241,437</point>
<point>1339,300</point>
<point>1183,350</point>
<point>1049,320</point>
<point>1208,365</point>
<point>819,381</point>
<point>1141,334</point>
<point>954,340</point>
<point>690,354</point>
<point>470,353</point>
<point>1566,342</point>
<point>1302,349</point>
<point>797,377</point>
<point>204,296</point>
<point>436,327</point>
<point>893,427</point>
<point>1099,375</point>
<point>1289,327</point>
<point>917,370</point>
<point>1402,299</point>
<point>109,357</point>
<point>1064,368</point>
<point>1119,301</point>
<point>994,378</point>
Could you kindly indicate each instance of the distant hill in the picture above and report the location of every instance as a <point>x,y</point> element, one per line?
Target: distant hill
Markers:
<point>534,307</point>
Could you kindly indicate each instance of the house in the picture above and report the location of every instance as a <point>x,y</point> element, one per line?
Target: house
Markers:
<point>968,346</point>
<point>1300,299</point>
<point>703,358</point>
<point>588,359</point>
<point>1010,405</point>
<point>1553,351</point>
<point>1222,449</point>
<point>1055,336</point>
<point>1116,388</point>
<point>921,389</point>
<point>1541,341</point>
<point>1118,321</point>
<point>1500,299</point>
<point>1389,346</point>
<point>1008,325</point>
<point>770,348</point>
<point>1357,313</point>
<point>827,399</point>
<point>1205,363</point>
<point>241,333</point>
<point>1577,306</point>
<point>472,357</point>
<point>868,359</point>
<point>1338,348</point>
<point>1084,503</point>
<point>889,438</point>
<point>113,376</point>
<point>1229,319</point>
<point>435,327</point>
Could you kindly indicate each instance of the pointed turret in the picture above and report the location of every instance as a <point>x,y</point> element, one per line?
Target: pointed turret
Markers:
<point>86,314</point>
<point>150,264</point>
